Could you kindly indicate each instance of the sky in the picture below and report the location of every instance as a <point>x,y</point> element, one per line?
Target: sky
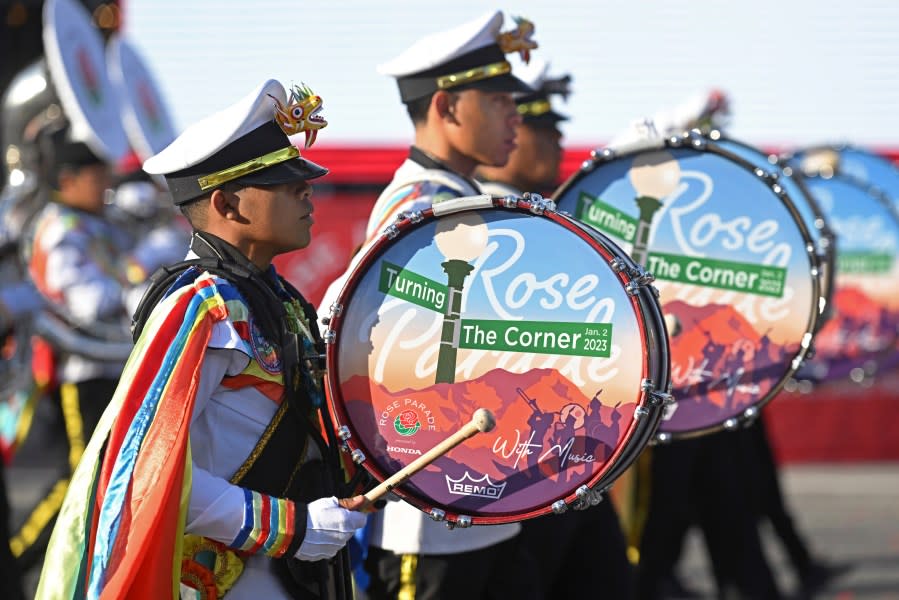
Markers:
<point>798,72</point>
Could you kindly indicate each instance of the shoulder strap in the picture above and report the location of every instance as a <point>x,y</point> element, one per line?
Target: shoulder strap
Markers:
<point>256,292</point>
<point>438,176</point>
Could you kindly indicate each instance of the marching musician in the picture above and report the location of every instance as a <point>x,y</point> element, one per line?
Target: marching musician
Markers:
<point>457,88</point>
<point>78,261</point>
<point>579,551</point>
<point>211,470</point>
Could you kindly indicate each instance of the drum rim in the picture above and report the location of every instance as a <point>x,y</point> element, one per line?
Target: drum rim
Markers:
<point>639,430</point>
<point>701,143</point>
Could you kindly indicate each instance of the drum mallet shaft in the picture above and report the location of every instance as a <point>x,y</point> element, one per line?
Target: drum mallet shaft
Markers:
<point>482,421</point>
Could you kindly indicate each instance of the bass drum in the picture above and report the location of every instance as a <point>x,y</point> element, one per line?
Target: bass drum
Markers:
<point>812,216</point>
<point>508,305</point>
<point>736,267</point>
<point>860,338</point>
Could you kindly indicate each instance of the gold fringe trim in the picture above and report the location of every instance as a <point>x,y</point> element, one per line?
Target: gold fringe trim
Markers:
<point>37,521</point>
<point>71,412</point>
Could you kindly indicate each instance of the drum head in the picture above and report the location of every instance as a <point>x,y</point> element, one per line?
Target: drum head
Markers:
<point>862,331</point>
<point>144,115</point>
<point>811,214</point>
<point>77,64</point>
<point>506,310</point>
<point>735,266</point>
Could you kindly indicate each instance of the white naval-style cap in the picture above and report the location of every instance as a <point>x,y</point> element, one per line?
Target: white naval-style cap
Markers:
<point>536,107</point>
<point>246,143</point>
<point>471,55</point>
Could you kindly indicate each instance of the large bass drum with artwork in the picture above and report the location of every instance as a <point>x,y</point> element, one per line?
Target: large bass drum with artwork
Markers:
<point>508,305</point>
<point>737,270</point>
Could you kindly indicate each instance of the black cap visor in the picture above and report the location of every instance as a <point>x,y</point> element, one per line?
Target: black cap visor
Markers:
<point>295,169</point>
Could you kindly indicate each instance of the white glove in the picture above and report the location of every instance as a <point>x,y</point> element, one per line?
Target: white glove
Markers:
<point>329,527</point>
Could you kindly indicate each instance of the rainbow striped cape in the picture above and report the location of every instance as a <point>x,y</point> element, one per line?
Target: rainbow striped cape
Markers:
<point>120,529</point>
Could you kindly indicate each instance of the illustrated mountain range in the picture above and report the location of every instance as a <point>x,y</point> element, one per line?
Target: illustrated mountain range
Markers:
<point>859,330</point>
<point>733,364</point>
<point>570,435</point>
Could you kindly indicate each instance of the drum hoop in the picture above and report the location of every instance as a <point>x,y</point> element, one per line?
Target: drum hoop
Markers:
<point>703,144</point>
<point>639,431</point>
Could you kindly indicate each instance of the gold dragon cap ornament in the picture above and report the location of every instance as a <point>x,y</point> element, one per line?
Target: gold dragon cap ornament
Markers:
<point>301,113</point>
<point>518,40</point>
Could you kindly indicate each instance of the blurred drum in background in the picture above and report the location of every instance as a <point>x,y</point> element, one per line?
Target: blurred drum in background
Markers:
<point>508,305</point>
<point>737,269</point>
<point>861,336</point>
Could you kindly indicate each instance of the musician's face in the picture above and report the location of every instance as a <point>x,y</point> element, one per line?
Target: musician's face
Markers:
<point>483,125</point>
<point>536,161</point>
<point>278,217</point>
<point>85,187</point>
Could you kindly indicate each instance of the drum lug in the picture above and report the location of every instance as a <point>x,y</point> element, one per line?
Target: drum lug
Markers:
<point>336,309</point>
<point>391,231</point>
<point>343,432</point>
<point>751,414</point>
<point>697,140</point>
<point>763,174</point>
<point>641,412</point>
<point>510,201</point>
<point>559,507</point>
<point>640,278</point>
<point>660,399</point>
<point>731,424</point>
<point>618,265</point>
<point>676,141</point>
<point>358,456</point>
<point>604,155</point>
<point>437,514</point>
<point>538,206</point>
<point>463,522</point>
<point>329,336</point>
<point>415,216</point>
<point>586,498</point>
<point>647,385</point>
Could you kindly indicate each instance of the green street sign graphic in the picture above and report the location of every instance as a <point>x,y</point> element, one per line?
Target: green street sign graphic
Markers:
<point>540,337</point>
<point>864,262</point>
<point>605,217</point>
<point>412,287</point>
<point>762,280</point>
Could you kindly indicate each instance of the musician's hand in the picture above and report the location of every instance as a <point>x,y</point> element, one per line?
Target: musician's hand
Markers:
<point>354,503</point>
<point>361,504</point>
<point>329,526</point>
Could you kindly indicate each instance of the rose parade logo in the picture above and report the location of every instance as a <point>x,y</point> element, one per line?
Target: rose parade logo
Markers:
<point>407,423</point>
